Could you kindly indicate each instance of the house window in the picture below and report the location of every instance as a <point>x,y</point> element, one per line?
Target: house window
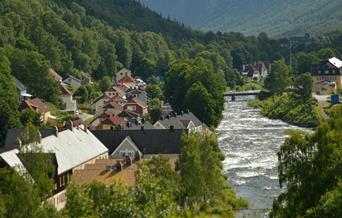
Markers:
<point>131,108</point>
<point>126,153</point>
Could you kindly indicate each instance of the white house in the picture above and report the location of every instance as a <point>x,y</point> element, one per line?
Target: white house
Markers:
<point>67,98</point>
<point>72,148</point>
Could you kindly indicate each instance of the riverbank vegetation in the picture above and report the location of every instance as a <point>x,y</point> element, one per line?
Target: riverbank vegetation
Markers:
<point>290,101</point>
<point>310,169</point>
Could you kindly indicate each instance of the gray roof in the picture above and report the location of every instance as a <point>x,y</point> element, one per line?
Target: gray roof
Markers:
<point>73,78</point>
<point>71,147</point>
<point>180,121</point>
<point>149,141</point>
<point>145,125</point>
<point>14,134</point>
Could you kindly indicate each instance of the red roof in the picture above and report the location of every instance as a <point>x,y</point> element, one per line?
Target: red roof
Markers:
<point>117,98</point>
<point>105,114</point>
<point>114,120</point>
<point>78,122</point>
<point>120,88</point>
<point>113,105</point>
<point>126,79</point>
<point>138,101</point>
<point>36,103</point>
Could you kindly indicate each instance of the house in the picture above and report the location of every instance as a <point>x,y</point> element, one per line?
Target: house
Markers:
<point>70,149</point>
<point>21,88</point>
<point>112,171</point>
<point>137,106</point>
<point>141,124</point>
<point>108,172</point>
<point>124,77</point>
<point>37,106</point>
<point>108,120</point>
<point>55,75</point>
<point>85,77</point>
<point>117,90</point>
<point>112,122</point>
<point>117,99</point>
<point>186,121</point>
<point>144,142</point>
<point>113,107</point>
<point>167,109</point>
<point>127,81</point>
<point>67,98</point>
<point>72,82</point>
<point>129,116</point>
<point>327,76</point>
<point>122,73</point>
<point>137,93</point>
<point>98,103</point>
<point>257,71</point>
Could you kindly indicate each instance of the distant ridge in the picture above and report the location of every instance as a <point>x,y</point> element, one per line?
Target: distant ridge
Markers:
<point>275,17</point>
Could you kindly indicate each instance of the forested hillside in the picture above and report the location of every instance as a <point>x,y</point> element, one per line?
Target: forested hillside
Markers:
<point>276,17</point>
<point>69,37</point>
<point>100,37</point>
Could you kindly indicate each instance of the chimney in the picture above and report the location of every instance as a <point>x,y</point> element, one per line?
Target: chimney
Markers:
<point>40,136</point>
<point>172,128</point>
<point>18,143</point>
<point>85,128</point>
<point>70,125</point>
<point>55,131</point>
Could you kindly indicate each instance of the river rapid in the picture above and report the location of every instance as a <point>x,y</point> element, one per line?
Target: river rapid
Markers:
<point>250,143</point>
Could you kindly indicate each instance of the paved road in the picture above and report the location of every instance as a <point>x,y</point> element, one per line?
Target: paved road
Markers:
<point>85,116</point>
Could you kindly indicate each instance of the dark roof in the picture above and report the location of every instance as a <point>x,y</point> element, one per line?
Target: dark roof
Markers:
<point>156,141</point>
<point>99,98</point>
<point>126,113</point>
<point>13,134</point>
<point>73,78</point>
<point>180,121</point>
<point>139,125</point>
<point>136,92</point>
<point>64,90</point>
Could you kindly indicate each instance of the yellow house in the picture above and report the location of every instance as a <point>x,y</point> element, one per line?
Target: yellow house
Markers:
<point>327,76</point>
<point>37,106</point>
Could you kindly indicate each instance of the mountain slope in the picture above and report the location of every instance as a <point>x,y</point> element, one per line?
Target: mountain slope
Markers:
<point>276,17</point>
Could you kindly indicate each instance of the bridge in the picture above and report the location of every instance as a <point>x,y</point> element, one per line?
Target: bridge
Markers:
<point>244,93</point>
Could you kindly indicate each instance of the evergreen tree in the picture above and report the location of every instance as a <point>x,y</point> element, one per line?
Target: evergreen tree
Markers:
<point>9,99</point>
<point>278,79</point>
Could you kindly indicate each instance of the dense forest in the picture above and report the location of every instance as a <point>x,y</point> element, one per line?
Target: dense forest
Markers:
<point>276,17</point>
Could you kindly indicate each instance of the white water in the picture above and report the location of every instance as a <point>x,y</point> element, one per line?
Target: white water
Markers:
<point>250,143</point>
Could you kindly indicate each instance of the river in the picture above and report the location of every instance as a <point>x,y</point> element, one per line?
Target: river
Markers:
<point>250,143</point>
